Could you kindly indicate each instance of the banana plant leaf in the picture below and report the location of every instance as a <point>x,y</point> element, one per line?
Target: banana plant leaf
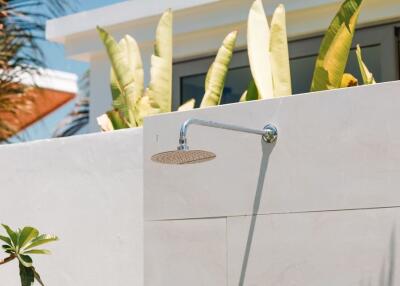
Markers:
<point>335,47</point>
<point>215,79</point>
<point>258,41</point>
<point>188,105</point>
<point>160,86</point>
<point>251,93</point>
<point>124,64</point>
<point>367,76</point>
<point>279,52</point>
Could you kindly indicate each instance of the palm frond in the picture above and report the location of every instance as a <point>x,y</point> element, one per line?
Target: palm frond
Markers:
<point>22,26</point>
<point>79,116</point>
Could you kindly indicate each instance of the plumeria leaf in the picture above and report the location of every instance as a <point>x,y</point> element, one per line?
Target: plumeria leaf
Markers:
<point>27,234</point>
<point>40,240</point>
<point>37,251</point>
<point>37,276</point>
<point>26,274</point>
<point>25,260</point>
<point>11,234</point>
<point>6,240</point>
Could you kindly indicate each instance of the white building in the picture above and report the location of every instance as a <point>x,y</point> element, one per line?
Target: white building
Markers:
<point>199,28</point>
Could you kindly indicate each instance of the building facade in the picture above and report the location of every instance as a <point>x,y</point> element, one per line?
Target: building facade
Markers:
<point>201,25</point>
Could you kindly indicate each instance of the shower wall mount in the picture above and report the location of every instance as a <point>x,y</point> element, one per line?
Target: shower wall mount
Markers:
<point>183,155</point>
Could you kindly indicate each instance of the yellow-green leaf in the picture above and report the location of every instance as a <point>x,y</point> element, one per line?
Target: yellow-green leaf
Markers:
<point>105,123</point>
<point>121,58</point>
<point>160,86</point>
<point>335,47</point>
<point>27,234</point>
<point>280,54</point>
<point>251,93</point>
<point>38,251</point>
<point>117,121</point>
<point>11,234</point>
<point>40,240</point>
<point>25,260</point>
<point>216,76</point>
<point>258,41</point>
<point>367,76</point>
<point>188,105</point>
<point>146,107</point>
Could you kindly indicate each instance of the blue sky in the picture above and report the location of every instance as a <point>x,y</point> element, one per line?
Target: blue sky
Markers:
<point>55,59</point>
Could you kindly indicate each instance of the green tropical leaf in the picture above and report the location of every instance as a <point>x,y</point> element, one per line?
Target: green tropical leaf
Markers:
<point>27,234</point>
<point>37,251</point>
<point>251,93</point>
<point>258,41</point>
<point>188,105</point>
<point>25,260</point>
<point>215,79</point>
<point>40,240</point>
<point>105,123</point>
<point>37,276</point>
<point>117,120</point>
<point>123,75</point>
<point>335,47</point>
<point>11,234</point>
<point>367,76</point>
<point>207,81</point>
<point>6,240</point>
<point>26,274</point>
<point>8,248</point>
<point>279,52</point>
<point>160,86</point>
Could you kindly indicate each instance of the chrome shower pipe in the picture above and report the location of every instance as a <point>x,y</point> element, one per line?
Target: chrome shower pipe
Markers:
<point>269,133</point>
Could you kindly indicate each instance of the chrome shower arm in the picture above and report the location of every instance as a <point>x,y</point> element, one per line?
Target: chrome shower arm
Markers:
<point>269,133</point>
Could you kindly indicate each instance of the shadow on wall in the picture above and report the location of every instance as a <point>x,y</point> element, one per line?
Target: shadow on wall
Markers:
<point>387,271</point>
<point>267,150</point>
<point>386,276</point>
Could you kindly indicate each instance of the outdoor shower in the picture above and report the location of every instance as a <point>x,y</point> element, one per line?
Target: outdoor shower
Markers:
<point>185,156</point>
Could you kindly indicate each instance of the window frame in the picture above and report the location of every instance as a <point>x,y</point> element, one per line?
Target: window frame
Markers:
<point>385,35</point>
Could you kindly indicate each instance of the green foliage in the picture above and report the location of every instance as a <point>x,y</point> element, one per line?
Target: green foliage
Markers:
<point>20,245</point>
<point>367,76</point>
<point>131,101</point>
<point>268,54</point>
<point>215,79</point>
<point>335,48</point>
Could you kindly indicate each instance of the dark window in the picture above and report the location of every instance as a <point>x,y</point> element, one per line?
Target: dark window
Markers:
<point>380,48</point>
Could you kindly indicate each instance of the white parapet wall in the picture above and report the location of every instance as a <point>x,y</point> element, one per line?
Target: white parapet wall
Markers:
<point>87,190</point>
<point>319,207</point>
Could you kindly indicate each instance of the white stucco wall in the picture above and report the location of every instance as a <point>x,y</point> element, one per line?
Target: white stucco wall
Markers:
<point>199,28</point>
<point>88,191</point>
<point>319,207</point>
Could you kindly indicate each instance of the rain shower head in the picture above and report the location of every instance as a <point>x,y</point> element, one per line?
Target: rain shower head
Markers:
<point>180,157</point>
<point>185,156</point>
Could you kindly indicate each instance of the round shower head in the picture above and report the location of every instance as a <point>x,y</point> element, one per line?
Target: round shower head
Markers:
<point>180,157</point>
